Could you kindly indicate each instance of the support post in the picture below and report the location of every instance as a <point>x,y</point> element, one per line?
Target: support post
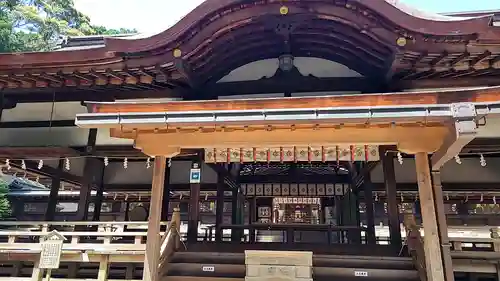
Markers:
<point>234,214</point>
<point>2,105</point>
<point>37,274</point>
<point>166,193</point>
<point>99,197</point>
<point>152,256</point>
<point>88,177</point>
<point>103,268</point>
<point>194,210</point>
<point>370,216</point>
<point>219,207</point>
<point>54,193</point>
<point>442,226</point>
<point>432,248</point>
<point>392,199</point>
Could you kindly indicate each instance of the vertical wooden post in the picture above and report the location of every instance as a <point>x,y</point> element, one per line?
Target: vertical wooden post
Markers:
<point>194,211</point>
<point>432,247</point>
<point>166,194</point>
<point>234,214</point>
<point>219,207</point>
<point>54,193</point>
<point>370,216</point>
<point>99,197</point>
<point>392,199</point>
<point>152,256</point>
<point>37,274</point>
<point>442,226</point>
<point>88,177</point>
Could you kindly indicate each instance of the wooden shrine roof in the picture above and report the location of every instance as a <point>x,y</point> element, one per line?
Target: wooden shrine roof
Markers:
<point>377,38</point>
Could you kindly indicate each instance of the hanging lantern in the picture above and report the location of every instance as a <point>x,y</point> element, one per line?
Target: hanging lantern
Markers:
<point>106,161</point>
<point>40,164</point>
<point>125,163</point>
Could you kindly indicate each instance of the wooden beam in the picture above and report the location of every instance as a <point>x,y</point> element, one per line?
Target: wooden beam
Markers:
<point>96,94</point>
<point>38,124</point>
<point>432,246</point>
<point>428,97</point>
<point>48,171</point>
<point>278,84</point>
<point>152,256</point>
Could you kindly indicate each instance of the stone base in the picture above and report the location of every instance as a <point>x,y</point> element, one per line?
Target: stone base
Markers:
<point>278,266</point>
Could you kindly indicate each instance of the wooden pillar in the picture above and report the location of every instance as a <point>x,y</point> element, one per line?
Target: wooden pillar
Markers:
<point>194,210</point>
<point>219,207</point>
<point>370,216</point>
<point>152,256</point>
<point>88,177</point>
<point>2,105</point>
<point>392,199</point>
<point>54,192</point>
<point>166,194</point>
<point>37,274</point>
<point>234,214</point>
<point>252,210</point>
<point>442,226</point>
<point>99,197</point>
<point>432,247</point>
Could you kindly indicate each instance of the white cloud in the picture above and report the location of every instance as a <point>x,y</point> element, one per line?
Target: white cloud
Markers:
<point>147,16</point>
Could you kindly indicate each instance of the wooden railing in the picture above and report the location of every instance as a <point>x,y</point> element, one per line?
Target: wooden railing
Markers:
<point>104,243</point>
<point>415,245</point>
<point>170,241</point>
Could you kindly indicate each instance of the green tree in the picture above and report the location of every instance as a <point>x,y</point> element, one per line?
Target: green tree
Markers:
<point>38,25</point>
<point>5,208</point>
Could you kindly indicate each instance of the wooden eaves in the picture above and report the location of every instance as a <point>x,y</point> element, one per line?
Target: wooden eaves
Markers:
<point>376,38</point>
<point>416,122</point>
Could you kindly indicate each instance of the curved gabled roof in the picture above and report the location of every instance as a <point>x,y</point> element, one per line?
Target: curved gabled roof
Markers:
<point>371,37</point>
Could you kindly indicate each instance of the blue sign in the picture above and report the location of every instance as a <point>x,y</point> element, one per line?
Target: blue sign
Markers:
<point>195,176</point>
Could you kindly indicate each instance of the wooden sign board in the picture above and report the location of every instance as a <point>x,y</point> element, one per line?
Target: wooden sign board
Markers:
<point>50,256</point>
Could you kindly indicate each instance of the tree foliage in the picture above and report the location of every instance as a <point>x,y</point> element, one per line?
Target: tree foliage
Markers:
<point>5,208</point>
<point>37,25</point>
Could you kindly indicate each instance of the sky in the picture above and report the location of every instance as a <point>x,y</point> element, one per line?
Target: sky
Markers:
<point>153,16</point>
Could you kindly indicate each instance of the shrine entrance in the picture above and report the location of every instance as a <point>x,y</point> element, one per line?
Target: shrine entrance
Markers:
<point>301,210</point>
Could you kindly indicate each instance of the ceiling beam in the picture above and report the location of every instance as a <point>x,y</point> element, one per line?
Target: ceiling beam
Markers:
<point>296,84</point>
<point>48,171</point>
<point>92,94</point>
